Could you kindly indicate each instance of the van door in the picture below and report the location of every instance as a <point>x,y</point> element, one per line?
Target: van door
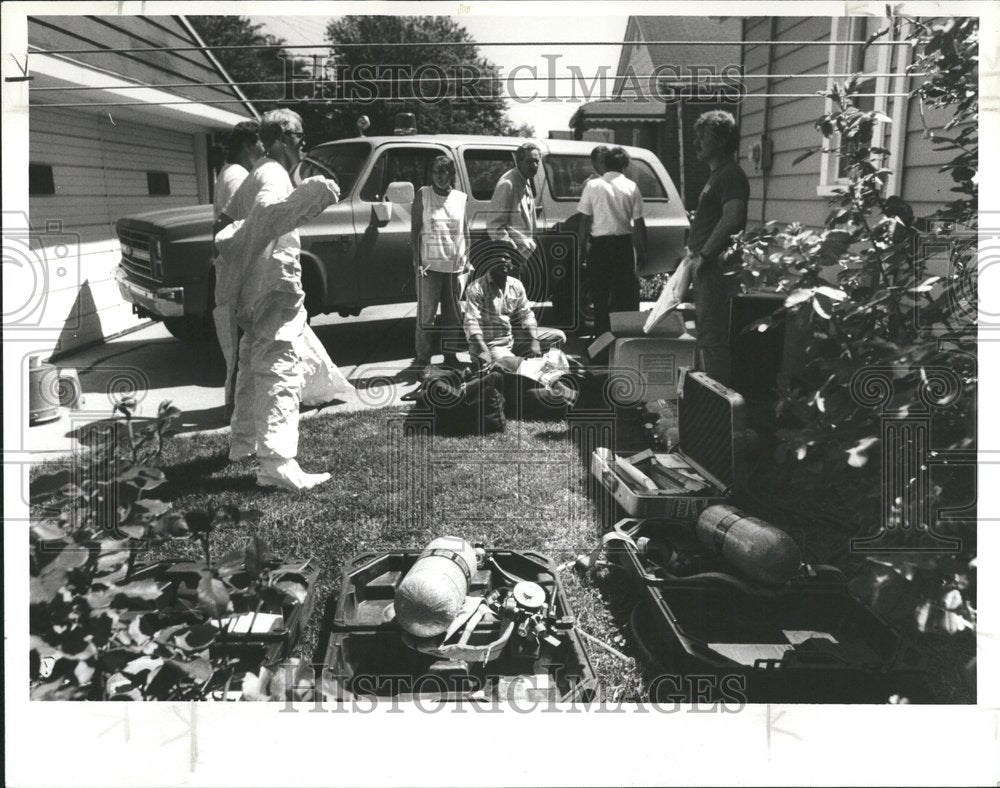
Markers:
<point>482,166</point>
<point>384,253</point>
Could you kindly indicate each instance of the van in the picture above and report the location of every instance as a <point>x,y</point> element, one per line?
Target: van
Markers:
<point>357,253</point>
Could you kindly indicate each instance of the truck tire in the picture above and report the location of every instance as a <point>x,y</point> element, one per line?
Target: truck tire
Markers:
<point>312,285</point>
<point>192,329</point>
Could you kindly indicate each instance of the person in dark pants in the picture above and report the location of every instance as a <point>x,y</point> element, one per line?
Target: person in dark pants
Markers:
<point>611,214</point>
<point>721,213</point>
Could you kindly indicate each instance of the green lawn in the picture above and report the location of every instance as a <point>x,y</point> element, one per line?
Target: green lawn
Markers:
<point>397,487</point>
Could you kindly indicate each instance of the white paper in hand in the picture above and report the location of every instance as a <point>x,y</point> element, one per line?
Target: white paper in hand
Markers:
<point>671,295</point>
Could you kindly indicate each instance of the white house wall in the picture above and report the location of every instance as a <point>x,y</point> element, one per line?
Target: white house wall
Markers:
<point>99,170</point>
<point>791,189</point>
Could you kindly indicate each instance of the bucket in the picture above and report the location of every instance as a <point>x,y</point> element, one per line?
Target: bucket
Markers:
<point>43,392</point>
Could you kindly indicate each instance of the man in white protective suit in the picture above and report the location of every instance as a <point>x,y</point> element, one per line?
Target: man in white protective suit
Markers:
<point>260,275</point>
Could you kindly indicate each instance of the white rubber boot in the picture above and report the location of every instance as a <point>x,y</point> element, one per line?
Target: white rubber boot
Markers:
<point>287,475</point>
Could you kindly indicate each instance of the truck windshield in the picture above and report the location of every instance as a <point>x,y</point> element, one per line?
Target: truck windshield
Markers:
<point>345,161</point>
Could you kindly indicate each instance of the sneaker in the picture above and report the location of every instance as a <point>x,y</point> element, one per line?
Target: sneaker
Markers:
<point>288,476</point>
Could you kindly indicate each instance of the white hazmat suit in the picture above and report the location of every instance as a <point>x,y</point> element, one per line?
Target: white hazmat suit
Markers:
<point>230,178</point>
<point>261,277</point>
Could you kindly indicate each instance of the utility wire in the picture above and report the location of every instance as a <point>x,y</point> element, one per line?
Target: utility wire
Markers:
<point>307,78</point>
<point>417,44</point>
<point>428,101</point>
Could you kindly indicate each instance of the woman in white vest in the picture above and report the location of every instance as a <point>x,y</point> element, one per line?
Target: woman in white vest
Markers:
<point>439,238</point>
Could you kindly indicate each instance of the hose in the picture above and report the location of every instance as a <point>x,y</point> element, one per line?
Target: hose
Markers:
<point>633,624</point>
<point>726,578</point>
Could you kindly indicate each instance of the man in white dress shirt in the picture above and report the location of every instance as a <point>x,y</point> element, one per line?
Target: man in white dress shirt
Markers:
<point>611,215</point>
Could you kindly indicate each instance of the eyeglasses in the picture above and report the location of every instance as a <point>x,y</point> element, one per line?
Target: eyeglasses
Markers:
<point>300,137</point>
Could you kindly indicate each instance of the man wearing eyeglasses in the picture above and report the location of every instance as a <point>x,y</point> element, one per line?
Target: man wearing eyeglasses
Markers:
<point>263,280</point>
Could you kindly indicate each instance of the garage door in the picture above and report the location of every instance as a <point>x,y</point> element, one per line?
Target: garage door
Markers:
<point>87,171</point>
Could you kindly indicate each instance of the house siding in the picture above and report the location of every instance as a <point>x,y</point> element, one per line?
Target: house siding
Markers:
<point>787,192</point>
<point>99,172</point>
<point>100,156</point>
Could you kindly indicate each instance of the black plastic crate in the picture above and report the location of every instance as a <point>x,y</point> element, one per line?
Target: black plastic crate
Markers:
<point>701,627</point>
<point>366,654</point>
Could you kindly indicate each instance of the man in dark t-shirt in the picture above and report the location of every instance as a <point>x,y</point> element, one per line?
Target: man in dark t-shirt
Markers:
<point>721,212</point>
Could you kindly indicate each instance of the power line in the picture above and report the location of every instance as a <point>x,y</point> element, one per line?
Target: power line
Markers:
<point>417,44</point>
<point>418,99</point>
<point>305,79</point>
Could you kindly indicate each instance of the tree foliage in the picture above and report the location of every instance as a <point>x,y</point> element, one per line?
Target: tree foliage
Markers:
<point>261,64</point>
<point>472,104</point>
<point>374,80</point>
<point>887,303</point>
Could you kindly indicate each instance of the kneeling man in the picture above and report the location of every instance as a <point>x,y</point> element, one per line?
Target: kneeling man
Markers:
<point>499,324</point>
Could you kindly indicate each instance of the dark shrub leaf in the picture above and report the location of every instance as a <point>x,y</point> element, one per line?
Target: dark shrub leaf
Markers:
<point>141,589</point>
<point>198,669</point>
<point>213,598</point>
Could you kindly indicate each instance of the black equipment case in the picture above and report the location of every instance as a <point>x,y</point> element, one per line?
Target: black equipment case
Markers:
<point>711,427</point>
<point>366,653</point>
<point>809,641</point>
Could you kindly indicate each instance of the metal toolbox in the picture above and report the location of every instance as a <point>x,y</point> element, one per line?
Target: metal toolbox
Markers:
<point>711,428</point>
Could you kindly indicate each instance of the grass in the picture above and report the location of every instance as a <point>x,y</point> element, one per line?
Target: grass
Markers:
<point>396,485</point>
<point>525,488</point>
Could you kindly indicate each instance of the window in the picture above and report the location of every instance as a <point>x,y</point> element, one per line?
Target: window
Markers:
<point>158,184</point>
<point>850,59</point>
<point>567,175</point>
<point>485,166</point>
<point>344,162</point>
<point>649,185</point>
<point>40,180</point>
<point>399,164</point>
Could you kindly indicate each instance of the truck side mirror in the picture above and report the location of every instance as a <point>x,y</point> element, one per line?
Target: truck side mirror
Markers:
<point>400,192</point>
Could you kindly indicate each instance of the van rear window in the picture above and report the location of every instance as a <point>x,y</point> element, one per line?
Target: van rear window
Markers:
<point>567,175</point>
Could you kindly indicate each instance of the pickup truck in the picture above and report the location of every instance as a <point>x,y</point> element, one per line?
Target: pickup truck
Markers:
<point>357,252</point>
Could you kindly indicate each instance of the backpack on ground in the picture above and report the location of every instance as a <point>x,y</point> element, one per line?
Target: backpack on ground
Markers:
<point>461,404</point>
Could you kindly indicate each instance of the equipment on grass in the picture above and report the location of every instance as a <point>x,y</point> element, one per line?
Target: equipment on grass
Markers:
<point>433,592</point>
<point>755,549</point>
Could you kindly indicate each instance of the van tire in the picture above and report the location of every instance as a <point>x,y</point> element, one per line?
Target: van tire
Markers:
<point>312,285</point>
<point>192,329</point>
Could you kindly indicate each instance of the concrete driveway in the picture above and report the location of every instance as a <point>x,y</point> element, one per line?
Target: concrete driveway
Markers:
<point>371,350</point>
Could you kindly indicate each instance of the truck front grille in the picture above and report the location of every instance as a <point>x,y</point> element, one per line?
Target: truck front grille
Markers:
<point>136,252</point>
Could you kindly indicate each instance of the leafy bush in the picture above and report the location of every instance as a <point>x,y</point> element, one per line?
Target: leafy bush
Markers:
<point>887,335</point>
<point>99,632</point>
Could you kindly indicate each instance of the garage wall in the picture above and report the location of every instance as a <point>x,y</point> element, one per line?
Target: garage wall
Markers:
<point>99,168</point>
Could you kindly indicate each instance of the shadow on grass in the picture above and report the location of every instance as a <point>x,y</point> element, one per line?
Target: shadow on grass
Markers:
<point>196,477</point>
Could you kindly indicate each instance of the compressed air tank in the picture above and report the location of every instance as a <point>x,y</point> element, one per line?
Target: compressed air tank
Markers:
<point>433,591</point>
<point>757,550</point>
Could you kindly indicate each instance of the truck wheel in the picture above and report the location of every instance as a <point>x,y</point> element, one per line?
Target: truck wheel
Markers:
<point>312,285</point>
<point>192,329</point>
